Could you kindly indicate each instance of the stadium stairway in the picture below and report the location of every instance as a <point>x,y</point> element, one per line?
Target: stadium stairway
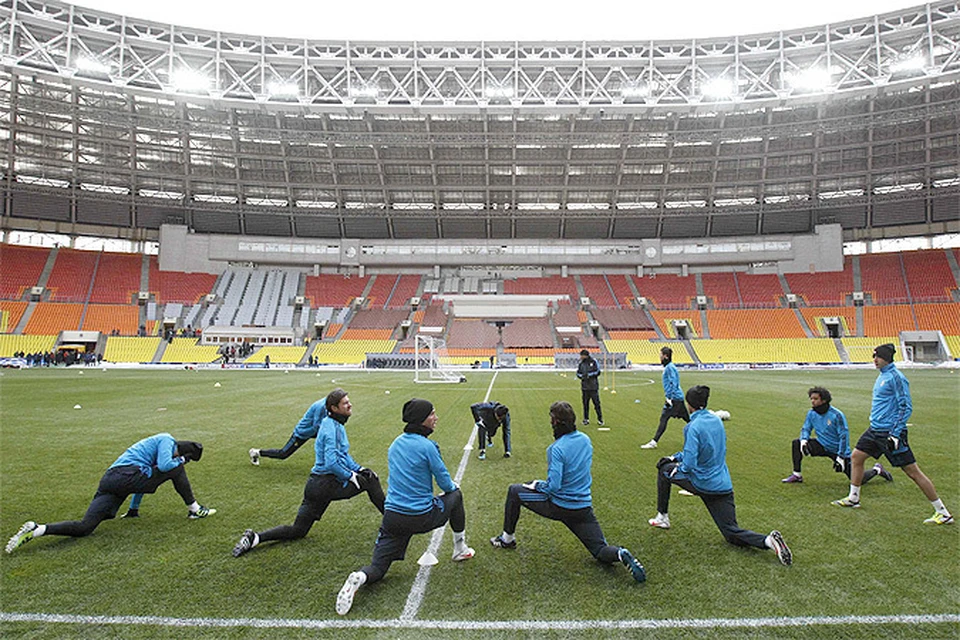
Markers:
<point>842,350</point>
<point>25,318</point>
<point>654,324</point>
<point>93,279</point>
<point>859,310</point>
<point>158,356</point>
<point>48,268</point>
<point>692,352</point>
<point>704,325</point>
<point>954,267</point>
<point>803,322</point>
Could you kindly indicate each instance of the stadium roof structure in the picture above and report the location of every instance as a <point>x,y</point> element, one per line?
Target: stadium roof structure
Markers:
<point>121,124</point>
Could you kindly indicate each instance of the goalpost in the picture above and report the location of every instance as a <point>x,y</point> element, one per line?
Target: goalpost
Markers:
<point>432,363</point>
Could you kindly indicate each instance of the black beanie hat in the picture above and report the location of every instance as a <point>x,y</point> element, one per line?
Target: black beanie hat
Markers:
<point>190,450</point>
<point>584,352</point>
<point>885,351</point>
<point>416,410</point>
<point>697,396</point>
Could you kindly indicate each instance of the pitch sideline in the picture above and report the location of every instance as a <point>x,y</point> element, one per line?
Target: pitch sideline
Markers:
<point>481,625</point>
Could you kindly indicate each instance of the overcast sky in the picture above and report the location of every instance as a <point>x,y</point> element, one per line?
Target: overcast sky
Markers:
<point>529,20</point>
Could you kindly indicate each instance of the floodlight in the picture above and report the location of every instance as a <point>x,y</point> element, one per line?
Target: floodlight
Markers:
<point>912,63</point>
<point>364,91</point>
<point>92,67</point>
<point>718,88</point>
<point>189,80</point>
<point>635,90</point>
<point>278,89</point>
<point>495,91</point>
<point>812,79</point>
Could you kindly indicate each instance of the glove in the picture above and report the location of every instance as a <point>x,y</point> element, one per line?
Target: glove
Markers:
<point>664,461</point>
<point>532,485</point>
<point>478,424</point>
<point>132,513</point>
<point>669,402</point>
<point>456,487</point>
<point>893,442</point>
<point>839,465</point>
<point>673,471</point>
<point>804,449</point>
<point>355,480</point>
<point>369,474</point>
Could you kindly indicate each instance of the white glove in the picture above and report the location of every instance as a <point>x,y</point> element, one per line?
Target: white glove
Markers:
<point>478,424</point>
<point>673,471</point>
<point>532,485</point>
<point>839,465</point>
<point>894,442</point>
<point>355,480</point>
<point>669,402</point>
<point>804,449</point>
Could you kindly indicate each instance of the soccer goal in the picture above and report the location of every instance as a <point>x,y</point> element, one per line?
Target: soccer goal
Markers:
<point>432,362</point>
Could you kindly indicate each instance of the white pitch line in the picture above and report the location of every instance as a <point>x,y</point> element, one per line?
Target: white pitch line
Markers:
<point>419,588</point>
<point>482,625</point>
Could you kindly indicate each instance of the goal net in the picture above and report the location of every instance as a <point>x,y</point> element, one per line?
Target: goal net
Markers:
<point>432,362</point>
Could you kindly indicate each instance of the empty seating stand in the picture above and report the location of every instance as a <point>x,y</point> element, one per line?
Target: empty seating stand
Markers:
<point>667,291</point>
<point>21,270</point>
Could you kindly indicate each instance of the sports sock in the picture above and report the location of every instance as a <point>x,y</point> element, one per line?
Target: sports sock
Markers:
<point>193,508</point>
<point>256,540</point>
<point>459,539</point>
<point>937,504</point>
<point>798,474</point>
<point>854,493</point>
<point>40,530</point>
<point>768,541</point>
<point>507,537</point>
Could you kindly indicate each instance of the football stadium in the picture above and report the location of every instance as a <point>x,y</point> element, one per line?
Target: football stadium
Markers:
<point>206,234</point>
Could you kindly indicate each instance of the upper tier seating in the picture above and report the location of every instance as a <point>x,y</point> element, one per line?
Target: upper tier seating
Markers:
<point>406,288</point>
<point>50,318</point>
<point>105,318</point>
<point>472,334</point>
<point>118,278</point>
<point>847,315</point>
<point>72,272</point>
<point>621,289</point>
<point>20,269</point>
<point>378,318</point>
<point>760,290</point>
<point>528,332</point>
<point>541,286</point>
<point>177,286</point>
<point>565,315</point>
<point>328,290</point>
<point>754,323</point>
<point>434,317</point>
<point>667,291</point>
<point>721,288</point>
<point>929,275</point>
<point>881,275</point>
<point>664,320</point>
<point>612,319</point>
<point>596,288</point>
<point>823,289</point>
<point>12,313</point>
<point>943,317</point>
<point>381,289</point>
<point>887,320</point>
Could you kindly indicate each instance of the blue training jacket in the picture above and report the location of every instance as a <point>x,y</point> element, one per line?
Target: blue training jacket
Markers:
<point>568,482</point>
<point>671,382</point>
<point>831,428</point>
<point>309,424</point>
<point>892,405</point>
<point>704,456</point>
<point>413,462</point>
<point>155,451</point>
<point>332,450</point>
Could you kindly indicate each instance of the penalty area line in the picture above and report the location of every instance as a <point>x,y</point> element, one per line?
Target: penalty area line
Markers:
<point>481,625</point>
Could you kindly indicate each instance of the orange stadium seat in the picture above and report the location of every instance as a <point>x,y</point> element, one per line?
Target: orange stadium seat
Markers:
<point>50,318</point>
<point>118,278</point>
<point>21,270</point>
<point>887,321</point>
<point>928,276</point>
<point>334,290</point>
<point>108,317</point>
<point>881,275</point>
<point>754,323</point>
<point>72,273</point>
<point>667,291</point>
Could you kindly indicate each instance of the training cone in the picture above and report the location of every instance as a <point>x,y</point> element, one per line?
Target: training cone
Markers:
<point>76,406</point>
<point>216,384</point>
<point>427,559</point>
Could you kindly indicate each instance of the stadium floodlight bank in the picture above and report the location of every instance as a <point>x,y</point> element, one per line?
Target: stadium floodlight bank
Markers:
<point>433,361</point>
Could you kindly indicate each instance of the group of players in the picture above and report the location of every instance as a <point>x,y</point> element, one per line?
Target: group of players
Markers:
<point>414,462</point>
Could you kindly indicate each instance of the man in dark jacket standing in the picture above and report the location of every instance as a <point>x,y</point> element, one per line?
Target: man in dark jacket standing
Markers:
<point>589,374</point>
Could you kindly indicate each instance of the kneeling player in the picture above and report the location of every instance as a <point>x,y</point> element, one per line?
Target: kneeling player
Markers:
<point>701,468</point>
<point>832,441</point>
<point>140,469</point>
<point>565,496</point>
<point>413,462</point>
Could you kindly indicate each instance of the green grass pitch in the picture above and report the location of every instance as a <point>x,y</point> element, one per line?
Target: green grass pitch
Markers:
<point>879,560</point>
